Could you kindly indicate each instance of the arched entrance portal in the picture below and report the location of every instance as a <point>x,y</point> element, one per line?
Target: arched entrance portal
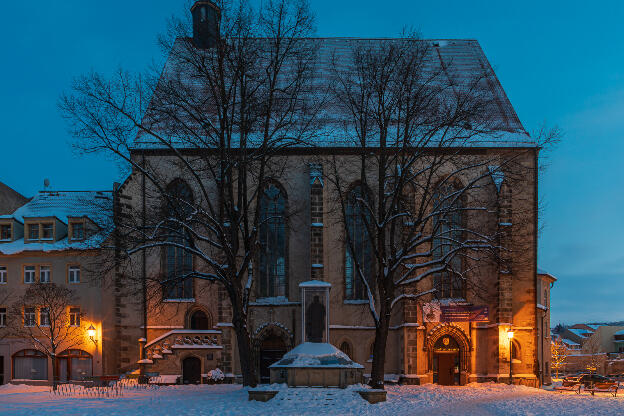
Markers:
<point>272,349</point>
<point>448,350</point>
<point>191,370</point>
<point>446,361</point>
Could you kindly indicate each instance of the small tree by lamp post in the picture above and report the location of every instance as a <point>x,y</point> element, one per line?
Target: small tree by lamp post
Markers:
<point>510,335</point>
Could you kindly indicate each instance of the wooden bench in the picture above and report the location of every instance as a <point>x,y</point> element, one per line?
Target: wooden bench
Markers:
<point>569,386</point>
<point>610,388</point>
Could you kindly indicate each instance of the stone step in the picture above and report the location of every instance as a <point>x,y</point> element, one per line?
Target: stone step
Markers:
<point>324,396</point>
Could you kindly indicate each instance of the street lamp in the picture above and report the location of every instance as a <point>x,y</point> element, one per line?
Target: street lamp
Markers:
<point>510,335</point>
<point>91,332</point>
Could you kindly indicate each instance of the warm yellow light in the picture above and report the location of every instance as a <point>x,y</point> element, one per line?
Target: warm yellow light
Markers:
<point>91,331</point>
<point>510,334</point>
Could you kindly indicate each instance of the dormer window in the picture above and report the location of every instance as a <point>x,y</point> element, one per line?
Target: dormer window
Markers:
<point>47,231</point>
<point>40,231</point>
<point>33,231</point>
<point>76,230</point>
<point>6,233</point>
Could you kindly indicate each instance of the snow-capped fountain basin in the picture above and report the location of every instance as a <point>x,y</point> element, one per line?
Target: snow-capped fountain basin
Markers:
<point>316,364</point>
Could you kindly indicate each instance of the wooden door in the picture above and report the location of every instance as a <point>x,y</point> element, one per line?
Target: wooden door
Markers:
<point>271,351</point>
<point>446,367</point>
<point>191,370</point>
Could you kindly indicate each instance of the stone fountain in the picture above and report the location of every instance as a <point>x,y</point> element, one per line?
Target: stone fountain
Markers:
<point>315,362</point>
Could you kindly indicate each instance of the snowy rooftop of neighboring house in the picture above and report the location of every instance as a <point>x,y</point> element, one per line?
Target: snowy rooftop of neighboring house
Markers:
<point>619,332</point>
<point>97,206</point>
<point>456,62</point>
<point>569,342</point>
<point>580,332</point>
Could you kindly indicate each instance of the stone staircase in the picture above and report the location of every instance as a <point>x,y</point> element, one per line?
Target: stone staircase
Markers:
<point>177,340</point>
<point>327,397</point>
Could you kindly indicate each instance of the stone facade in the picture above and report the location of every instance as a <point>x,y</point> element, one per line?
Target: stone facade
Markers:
<point>316,251</point>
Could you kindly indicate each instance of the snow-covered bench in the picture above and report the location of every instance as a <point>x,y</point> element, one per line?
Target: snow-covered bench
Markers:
<point>611,388</point>
<point>569,386</point>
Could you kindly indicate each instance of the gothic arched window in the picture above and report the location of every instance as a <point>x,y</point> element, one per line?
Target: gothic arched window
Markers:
<point>358,250</point>
<point>447,240</point>
<point>272,239</point>
<point>346,348</point>
<point>177,280</point>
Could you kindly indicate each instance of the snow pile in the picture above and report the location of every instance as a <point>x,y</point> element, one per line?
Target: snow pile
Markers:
<point>316,354</point>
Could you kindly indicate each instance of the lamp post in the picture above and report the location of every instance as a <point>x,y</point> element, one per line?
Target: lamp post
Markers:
<point>510,335</point>
<point>91,332</point>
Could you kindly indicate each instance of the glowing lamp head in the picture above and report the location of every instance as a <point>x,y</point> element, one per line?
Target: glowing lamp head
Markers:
<point>91,331</point>
<point>510,334</point>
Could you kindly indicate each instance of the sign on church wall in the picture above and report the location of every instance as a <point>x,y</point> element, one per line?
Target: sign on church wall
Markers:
<point>435,312</point>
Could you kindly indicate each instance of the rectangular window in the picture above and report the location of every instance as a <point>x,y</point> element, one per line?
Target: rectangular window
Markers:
<point>3,317</point>
<point>5,232</point>
<point>3,275</point>
<point>77,231</point>
<point>30,319</point>
<point>74,316</point>
<point>33,231</point>
<point>29,274</point>
<point>44,317</point>
<point>44,274</point>
<point>73,274</point>
<point>47,231</point>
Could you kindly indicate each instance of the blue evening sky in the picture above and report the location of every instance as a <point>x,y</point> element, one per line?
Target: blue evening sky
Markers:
<point>560,62</point>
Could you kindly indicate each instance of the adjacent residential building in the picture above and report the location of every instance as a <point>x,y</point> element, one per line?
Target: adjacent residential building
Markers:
<point>55,238</point>
<point>10,200</point>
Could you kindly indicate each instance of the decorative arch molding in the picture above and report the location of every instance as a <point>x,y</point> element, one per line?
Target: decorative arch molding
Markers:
<point>277,329</point>
<point>458,334</point>
<point>198,308</point>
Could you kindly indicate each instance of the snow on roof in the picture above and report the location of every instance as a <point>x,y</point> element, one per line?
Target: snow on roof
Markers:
<point>315,283</point>
<point>619,332</point>
<point>63,205</point>
<point>456,62</point>
<point>545,273</point>
<point>96,205</point>
<point>568,341</point>
<point>316,354</point>
<point>580,332</point>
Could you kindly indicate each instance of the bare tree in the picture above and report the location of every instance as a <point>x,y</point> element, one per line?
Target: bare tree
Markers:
<point>221,113</point>
<point>594,355</point>
<point>559,355</point>
<point>5,295</point>
<point>421,203</point>
<point>46,321</point>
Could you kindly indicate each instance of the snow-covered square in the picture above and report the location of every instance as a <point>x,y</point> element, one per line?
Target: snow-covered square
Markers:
<point>231,399</point>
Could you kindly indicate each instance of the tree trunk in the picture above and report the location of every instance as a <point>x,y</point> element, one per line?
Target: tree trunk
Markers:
<point>245,352</point>
<point>379,352</point>
<point>54,373</point>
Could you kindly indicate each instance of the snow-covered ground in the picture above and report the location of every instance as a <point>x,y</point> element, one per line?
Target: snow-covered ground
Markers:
<point>224,400</point>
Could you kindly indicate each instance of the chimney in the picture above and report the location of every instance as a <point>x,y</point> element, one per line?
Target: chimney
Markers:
<point>206,17</point>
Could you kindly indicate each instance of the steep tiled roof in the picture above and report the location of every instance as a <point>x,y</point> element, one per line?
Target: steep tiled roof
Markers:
<point>95,205</point>
<point>460,61</point>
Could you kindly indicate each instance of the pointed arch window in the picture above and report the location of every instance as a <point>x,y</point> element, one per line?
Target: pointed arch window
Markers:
<point>358,250</point>
<point>177,280</point>
<point>272,239</point>
<point>447,240</point>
